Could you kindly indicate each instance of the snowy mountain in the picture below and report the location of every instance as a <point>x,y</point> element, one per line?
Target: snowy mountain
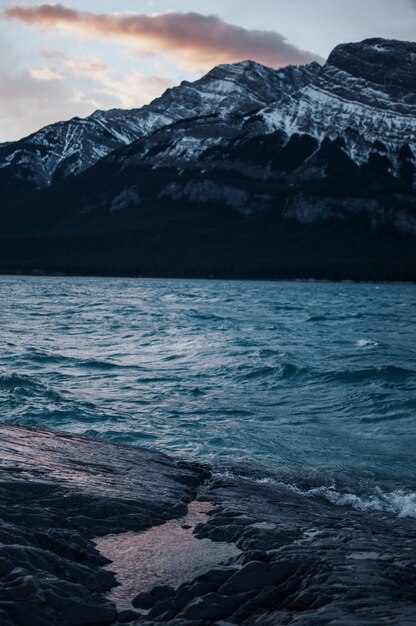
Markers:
<point>67,148</point>
<point>267,170</point>
<point>352,124</point>
<point>366,93</point>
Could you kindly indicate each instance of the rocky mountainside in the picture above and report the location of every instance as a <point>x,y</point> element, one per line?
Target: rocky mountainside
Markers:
<point>67,148</point>
<point>366,94</point>
<point>312,156</point>
<point>352,124</point>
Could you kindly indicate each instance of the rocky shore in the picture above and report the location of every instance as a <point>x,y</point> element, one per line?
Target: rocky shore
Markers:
<point>190,547</point>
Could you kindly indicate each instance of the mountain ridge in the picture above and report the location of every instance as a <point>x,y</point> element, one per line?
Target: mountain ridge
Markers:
<point>69,147</point>
<point>305,151</point>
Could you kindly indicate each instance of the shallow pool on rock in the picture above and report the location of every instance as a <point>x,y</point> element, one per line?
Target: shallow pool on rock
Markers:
<point>166,555</point>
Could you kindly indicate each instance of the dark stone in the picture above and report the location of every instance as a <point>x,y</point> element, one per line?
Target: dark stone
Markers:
<point>264,539</point>
<point>252,555</point>
<point>254,575</point>
<point>283,569</point>
<point>229,533</point>
<point>261,598</point>
<point>302,602</point>
<point>128,616</point>
<point>216,576</point>
<point>162,610</point>
<point>148,599</point>
<point>49,566</point>
<point>187,593</point>
<point>213,606</point>
<point>333,564</point>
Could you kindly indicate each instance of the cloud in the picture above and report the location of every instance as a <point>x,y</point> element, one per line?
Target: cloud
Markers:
<point>127,89</point>
<point>56,62</point>
<point>198,42</point>
<point>30,102</point>
<point>134,88</point>
<point>63,87</point>
<point>44,73</point>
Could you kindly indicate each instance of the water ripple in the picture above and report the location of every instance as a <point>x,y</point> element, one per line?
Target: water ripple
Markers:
<point>280,375</point>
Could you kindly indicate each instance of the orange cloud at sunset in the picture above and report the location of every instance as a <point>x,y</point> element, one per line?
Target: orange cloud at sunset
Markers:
<point>197,42</point>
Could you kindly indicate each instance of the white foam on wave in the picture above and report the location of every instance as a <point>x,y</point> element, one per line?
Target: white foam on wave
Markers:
<point>367,343</point>
<point>400,503</point>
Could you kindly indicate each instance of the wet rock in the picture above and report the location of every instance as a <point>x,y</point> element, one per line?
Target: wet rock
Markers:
<point>263,598</point>
<point>301,602</point>
<point>305,561</point>
<point>201,586</point>
<point>283,569</point>
<point>217,576</point>
<point>254,575</point>
<point>229,533</point>
<point>5,619</point>
<point>148,599</point>
<point>213,606</point>
<point>128,616</point>
<point>187,593</point>
<point>50,511</point>
<point>252,555</point>
<point>162,611</point>
<point>253,538</point>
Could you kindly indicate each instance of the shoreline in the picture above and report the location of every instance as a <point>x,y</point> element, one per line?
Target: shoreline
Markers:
<point>297,560</point>
<point>42,274</point>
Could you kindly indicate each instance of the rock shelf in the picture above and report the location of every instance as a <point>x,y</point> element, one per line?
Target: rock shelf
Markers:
<point>240,551</point>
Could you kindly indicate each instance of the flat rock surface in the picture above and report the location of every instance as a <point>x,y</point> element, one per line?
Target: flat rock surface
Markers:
<point>93,466</point>
<point>292,560</point>
<point>303,561</point>
<point>57,492</point>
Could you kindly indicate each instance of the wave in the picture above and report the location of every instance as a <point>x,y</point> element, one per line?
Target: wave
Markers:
<point>319,318</point>
<point>20,383</point>
<point>367,343</point>
<point>11,381</point>
<point>285,370</point>
<point>282,370</point>
<point>384,372</point>
<point>400,503</point>
<point>333,317</point>
<point>206,316</point>
<point>43,357</point>
<point>29,395</point>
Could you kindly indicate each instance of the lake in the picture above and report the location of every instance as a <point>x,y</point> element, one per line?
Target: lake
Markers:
<point>310,384</point>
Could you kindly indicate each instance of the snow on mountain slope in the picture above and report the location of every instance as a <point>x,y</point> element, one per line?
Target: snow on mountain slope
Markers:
<point>348,129</point>
<point>309,143</point>
<point>366,94</point>
<point>68,148</point>
<point>211,112</point>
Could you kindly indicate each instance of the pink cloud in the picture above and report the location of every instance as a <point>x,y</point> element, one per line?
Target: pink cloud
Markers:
<point>197,41</point>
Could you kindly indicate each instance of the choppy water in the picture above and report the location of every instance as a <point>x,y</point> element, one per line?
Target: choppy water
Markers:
<point>310,383</point>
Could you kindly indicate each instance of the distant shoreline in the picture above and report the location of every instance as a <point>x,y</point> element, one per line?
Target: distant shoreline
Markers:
<point>343,281</point>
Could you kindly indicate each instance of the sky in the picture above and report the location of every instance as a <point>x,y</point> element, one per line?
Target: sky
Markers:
<point>70,58</point>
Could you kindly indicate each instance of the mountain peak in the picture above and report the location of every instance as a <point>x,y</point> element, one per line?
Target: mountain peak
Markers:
<point>387,63</point>
<point>248,63</point>
<point>239,68</point>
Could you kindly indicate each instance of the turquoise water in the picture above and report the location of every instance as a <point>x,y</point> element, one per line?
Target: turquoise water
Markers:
<point>311,383</point>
